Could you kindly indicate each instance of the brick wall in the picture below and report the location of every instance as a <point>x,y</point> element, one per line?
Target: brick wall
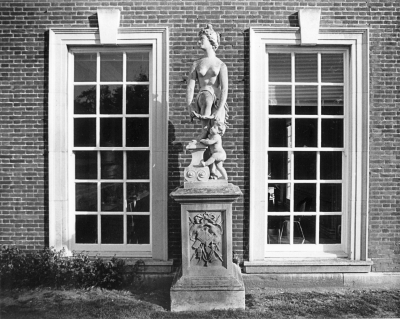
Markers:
<point>23,103</point>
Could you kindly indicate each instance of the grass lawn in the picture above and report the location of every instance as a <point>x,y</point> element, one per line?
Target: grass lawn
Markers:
<point>96,303</point>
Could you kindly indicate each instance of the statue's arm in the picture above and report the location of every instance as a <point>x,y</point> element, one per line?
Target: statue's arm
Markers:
<point>191,82</point>
<point>208,141</point>
<point>223,80</point>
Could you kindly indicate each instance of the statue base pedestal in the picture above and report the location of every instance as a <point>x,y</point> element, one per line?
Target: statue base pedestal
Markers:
<point>208,279</point>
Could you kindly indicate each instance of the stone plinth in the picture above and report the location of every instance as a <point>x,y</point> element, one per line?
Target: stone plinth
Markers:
<point>208,279</point>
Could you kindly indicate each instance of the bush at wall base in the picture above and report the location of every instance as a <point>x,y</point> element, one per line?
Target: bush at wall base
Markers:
<point>51,268</point>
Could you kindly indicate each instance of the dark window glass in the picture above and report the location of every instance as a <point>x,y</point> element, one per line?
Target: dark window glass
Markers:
<point>279,132</point>
<point>138,197</point>
<point>280,99</point>
<point>86,197</point>
<point>332,100</point>
<point>280,67</point>
<point>306,132</point>
<point>110,67</point>
<point>85,165</point>
<point>138,165</point>
<point>331,198</point>
<point>84,132</point>
<point>305,165</point>
<point>137,132</point>
<point>111,99</point>
<point>112,229</point>
<point>278,200</point>
<point>137,67</point>
<point>306,100</point>
<point>304,230</point>
<point>110,132</point>
<point>111,165</point>
<point>332,67</point>
<point>279,165</point>
<point>138,229</point>
<point>84,99</point>
<point>86,229</point>
<point>137,99</point>
<point>85,67</point>
<point>332,133</point>
<point>278,230</point>
<point>111,197</point>
<point>330,229</point>
<point>306,67</point>
<point>304,197</point>
<point>331,165</point>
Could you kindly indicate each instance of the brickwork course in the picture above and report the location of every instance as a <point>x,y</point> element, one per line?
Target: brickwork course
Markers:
<point>24,40</point>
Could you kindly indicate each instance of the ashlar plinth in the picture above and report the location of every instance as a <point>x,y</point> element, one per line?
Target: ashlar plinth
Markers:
<point>208,279</point>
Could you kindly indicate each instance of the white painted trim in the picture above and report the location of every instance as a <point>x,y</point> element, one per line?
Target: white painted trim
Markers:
<point>356,40</point>
<point>60,41</point>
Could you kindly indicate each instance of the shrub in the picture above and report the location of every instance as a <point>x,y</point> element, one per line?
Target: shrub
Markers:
<point>52,268</point>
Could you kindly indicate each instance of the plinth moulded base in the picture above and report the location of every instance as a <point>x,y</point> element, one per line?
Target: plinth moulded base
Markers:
<point>203,293</point>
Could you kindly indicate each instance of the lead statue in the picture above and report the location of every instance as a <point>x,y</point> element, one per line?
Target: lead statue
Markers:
<point>212,75</point>
<point>210,106</point>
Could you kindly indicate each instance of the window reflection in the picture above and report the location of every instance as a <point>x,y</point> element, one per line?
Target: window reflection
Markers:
<point>137,132</point>
<point>110,67</point>
<point>85,165</point>
<point>279,197</point>
<point>305,165</point>
<point>330,229</point>
<point>280,99</point>
<point>306,100</point>
<point>138,197</point>
<point>111,99</point>
<point>111,165</point>
<point>332,133</point>
<point>306,132</point>
<point>280,132</point>
<point>84,99</point>
<point>85,132</point>
<point>110,132</point>
<point>86,197</point>
<point>86,229</point>
<point>304,230</point>
<point>138,163</point>
<point>137,66</point>
<point>138,229</point>
<point>111,197</point>
<point>276,227</point>
<point>137,99</point>
<point>304,197</point>
<point>85,67</point>
<point>331,165</point>
<point>331,198</point>
<point>112,230</point>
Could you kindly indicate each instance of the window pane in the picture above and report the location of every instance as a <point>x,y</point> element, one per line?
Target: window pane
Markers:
<point>330,229</point>
<point>280,132</point>
<point>86,197</point>
<point>138,165</point>
<point>111,165</point>
<point>306,67</point>
<point>279,197</point>
<point>332,133</point>
<point>306,132</point>
<point>137,132</point>
<point>85,132</point>
<point>278,165</point>
<point>111,197</point>
<point>138,196</point>
<point>137,99</point>
<point>85,67</point>
<point>304,230</point>
<point>112,229</point>
<point>137,67</point>
<point>110,132</point>
<point>332,100</point>
<point>277,230</point>
<point>304,197</point>
<point>84,99</point>
<point>280,99</point>
<point>332,67</point>
<point>279,67</point>
<point>85,165</point>
<point>111,99</point>
<point>86,229</point>
<point>331,197</point>
<point>110,67</point>
<point>331,165</point>
<point>306,101</point>
<point>305,165</point>
<point>138,229</point>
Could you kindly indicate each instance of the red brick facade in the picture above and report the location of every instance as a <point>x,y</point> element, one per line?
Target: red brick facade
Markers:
<point>24,103</point>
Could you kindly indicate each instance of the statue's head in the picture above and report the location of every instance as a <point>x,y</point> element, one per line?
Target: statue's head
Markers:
<point>212,36</point>
<point>218,128</point>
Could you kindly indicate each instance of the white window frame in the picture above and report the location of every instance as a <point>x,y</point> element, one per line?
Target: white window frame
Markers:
<point>60,153</point>
<point>355,203</point>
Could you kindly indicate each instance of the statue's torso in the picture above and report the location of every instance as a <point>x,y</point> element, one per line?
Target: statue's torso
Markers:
<point>207,73</point>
